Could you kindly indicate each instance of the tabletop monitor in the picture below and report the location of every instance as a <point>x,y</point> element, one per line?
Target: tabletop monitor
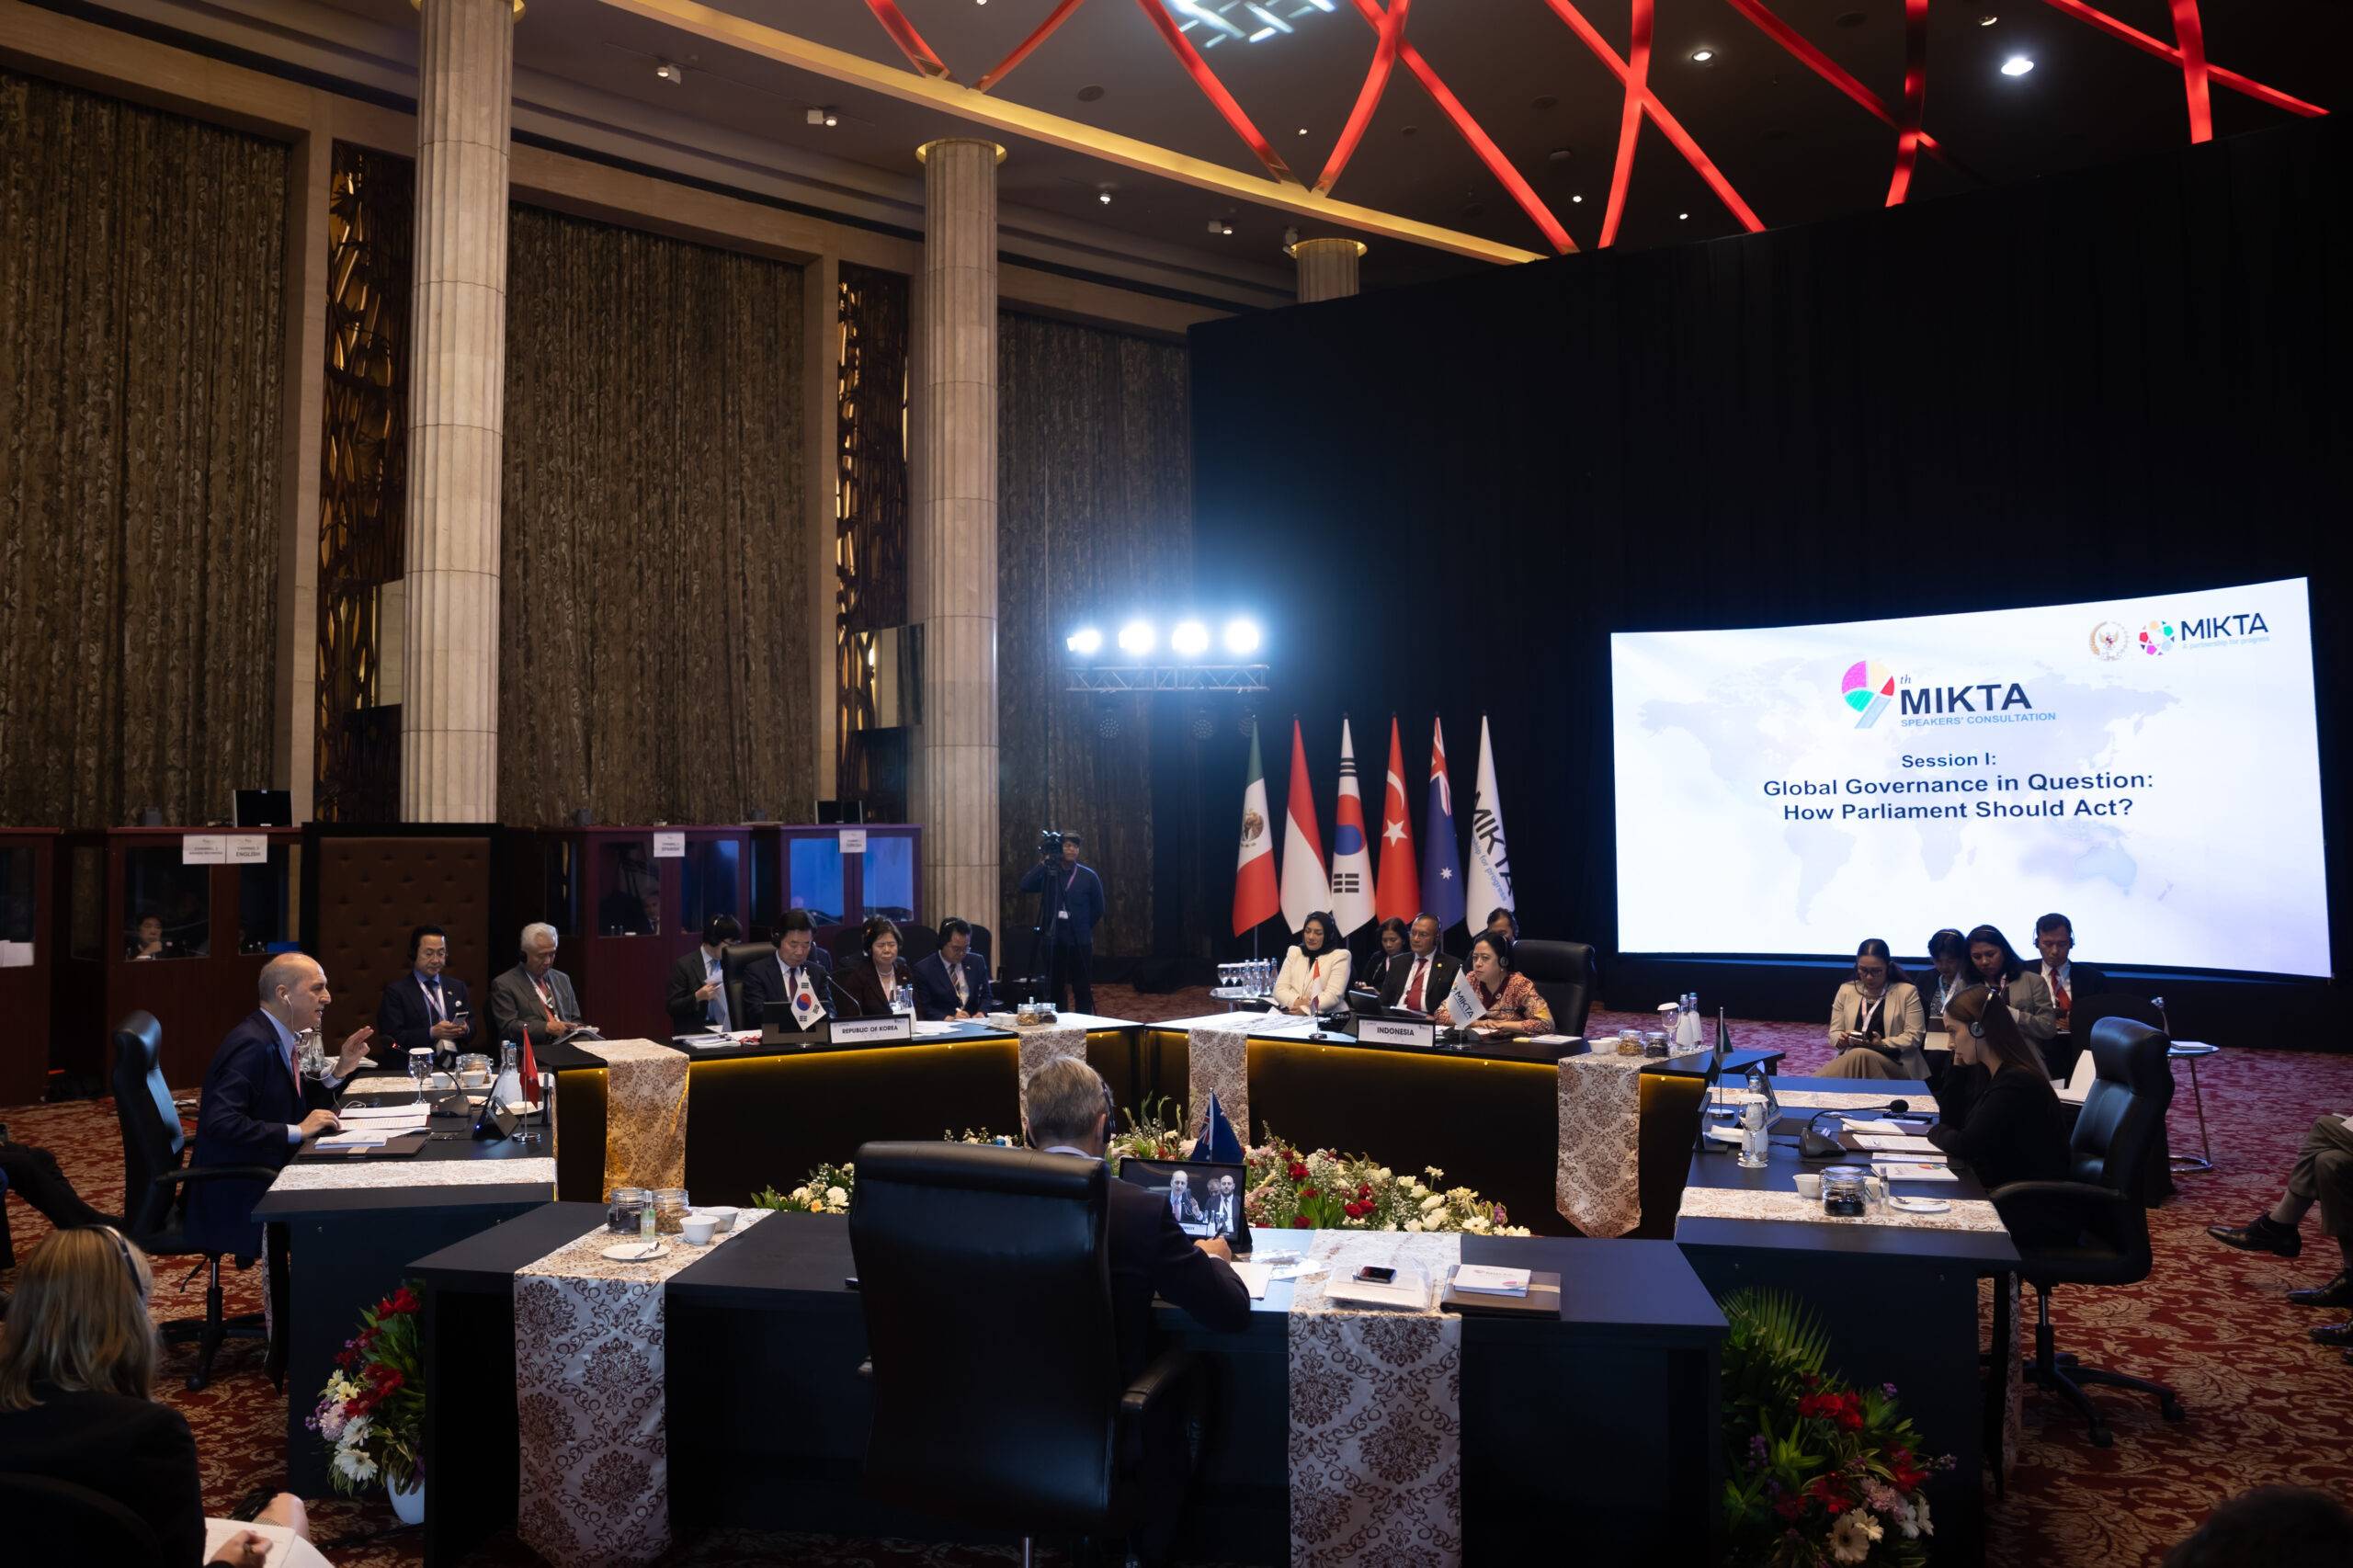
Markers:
<point>1205,1196</point>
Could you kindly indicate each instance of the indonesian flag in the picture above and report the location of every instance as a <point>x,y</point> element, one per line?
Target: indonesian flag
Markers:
<point>1255,895</point>
<point>1351,857</point>
<point>1441,872</point>
<point>1399,894</point>
<point>1304,885</point>
<point>1490,875</point>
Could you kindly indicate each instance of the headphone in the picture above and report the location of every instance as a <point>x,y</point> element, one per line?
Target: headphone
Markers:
<point>130,1265</point>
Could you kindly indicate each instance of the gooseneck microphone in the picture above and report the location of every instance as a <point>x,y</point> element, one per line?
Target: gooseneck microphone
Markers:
<point>1815,1144</point>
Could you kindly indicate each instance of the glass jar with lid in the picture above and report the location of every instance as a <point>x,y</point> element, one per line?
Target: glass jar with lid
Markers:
<point>670,1209</point>
<point>622,1210</point>
<point>1843,1189</point>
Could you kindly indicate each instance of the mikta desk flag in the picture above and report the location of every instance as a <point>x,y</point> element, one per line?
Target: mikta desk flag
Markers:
<point>1351,857</point>
<point>1490,873</point>
<point>1398,894</point>
<point>1255,897</point>
<point>1305,886</point>
<point>1217,1144</point>
<point>1441,872</point>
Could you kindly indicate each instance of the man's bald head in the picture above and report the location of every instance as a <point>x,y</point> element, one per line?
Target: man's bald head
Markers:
<point>294,989</point>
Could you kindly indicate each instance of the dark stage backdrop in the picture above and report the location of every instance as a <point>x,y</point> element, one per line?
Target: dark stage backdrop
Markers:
<point>2130,380</point>
<point>142,278</point>
<point>1091,522</point>
<point>654,639</point>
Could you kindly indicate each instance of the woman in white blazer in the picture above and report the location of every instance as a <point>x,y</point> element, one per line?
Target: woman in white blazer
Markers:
<point>1314,977</point>
<point>1877,1021</point>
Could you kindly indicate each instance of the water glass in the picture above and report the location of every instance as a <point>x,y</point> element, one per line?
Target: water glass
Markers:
<point>903,1001</point>
<point>420,1068</point>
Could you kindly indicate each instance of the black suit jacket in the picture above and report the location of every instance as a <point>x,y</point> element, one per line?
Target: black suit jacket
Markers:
<point>866,986</point>
<point>686,976</point>
<point>1150,1256</point>
<point>765,982</point>
<point>2083,981</point>
<point>404,1022</point>
<point>134,1450</point>
<point>936,991</point>
<point>250,1099</point>
<point>1441,979</point>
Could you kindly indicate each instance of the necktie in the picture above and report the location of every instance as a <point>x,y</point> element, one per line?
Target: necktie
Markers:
<point>963,994</point>
<point>1414,991</point>
<point>433,999</point>
<point>2058,992</point>
<point>719,998</point>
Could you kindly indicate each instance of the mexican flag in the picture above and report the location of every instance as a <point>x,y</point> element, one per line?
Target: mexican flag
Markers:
<point>1255,895</point>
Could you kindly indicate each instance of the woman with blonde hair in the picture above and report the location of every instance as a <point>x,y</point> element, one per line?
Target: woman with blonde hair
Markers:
<point>78,1404</point>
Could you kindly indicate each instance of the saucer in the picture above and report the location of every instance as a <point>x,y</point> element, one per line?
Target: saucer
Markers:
<point>635,1252</point>
<point>1919,1204</point>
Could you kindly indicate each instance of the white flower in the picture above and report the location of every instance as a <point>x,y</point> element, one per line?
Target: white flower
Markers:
<point>1432,1171</point>
<point>1480,1225</point>
<point>1432,1203</point>
<point>835,1196</point>
<point>1413,1224</point>
<point>1851,1537</point>
<point>849,1168</point>
<point>355,1465</point>
<point>1918,1522</point>
<point>1384,1174</point>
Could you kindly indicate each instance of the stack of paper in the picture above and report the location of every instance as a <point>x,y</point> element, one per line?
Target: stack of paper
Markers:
<point>2080,1082</point>
<point>1486,1280</point>
<point>1256,1277</point>
<point>1894,1143</point>
<point>1913,1170</point>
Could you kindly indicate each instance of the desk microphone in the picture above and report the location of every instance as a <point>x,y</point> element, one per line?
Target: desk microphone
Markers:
<point>1814,1144</point>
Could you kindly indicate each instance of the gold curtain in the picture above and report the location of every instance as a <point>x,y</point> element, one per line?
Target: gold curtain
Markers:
<point>1094,518</point>
<point>141,270</point>
<point>653,631</point>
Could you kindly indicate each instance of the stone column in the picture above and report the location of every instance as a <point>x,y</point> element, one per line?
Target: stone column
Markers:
<point>952,771</point>
<point>1328,268</point>
<point>457,413</point>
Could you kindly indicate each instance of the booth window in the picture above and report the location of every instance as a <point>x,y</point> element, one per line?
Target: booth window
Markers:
<point>167,906</point>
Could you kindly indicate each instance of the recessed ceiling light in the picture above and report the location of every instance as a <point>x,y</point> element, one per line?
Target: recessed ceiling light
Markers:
<point>1104,197</point>
<point>670,73</point>
<point>1577,198</point>
<point>1682,217</point>
<point>1089,93</point>
<point>1227,230</point>
<point>1987,21</point>
<point>1851,19</point>
<point>1302,130</point>
<point>832,119</point>
<point>1546,101</point>
<point>1702,56</point>
<point>2017,65</point>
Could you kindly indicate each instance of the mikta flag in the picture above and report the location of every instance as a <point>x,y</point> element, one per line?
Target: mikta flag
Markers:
<point>1305,886</point>
<point>1441,872</point>
<point>1351,857</point>
<point>1399,894</point>
<point>1255,895</point>
<point>1490,861</point>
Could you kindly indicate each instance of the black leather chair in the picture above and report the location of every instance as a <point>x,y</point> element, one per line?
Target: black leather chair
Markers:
<point>51,1520</point>
<point>1563,974</point>
<point>2156,1168</point>
<point>2094,1229</point>
<point>918,942</point>
<point>155,1182</point>
<point>981,943</point>
<point>985,1277</point>
<point>735,961</point>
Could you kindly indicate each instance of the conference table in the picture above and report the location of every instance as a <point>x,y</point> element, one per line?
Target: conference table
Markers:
<point>352,1221</point>
<point>1899,1301</point>
<point>1597,1427</point>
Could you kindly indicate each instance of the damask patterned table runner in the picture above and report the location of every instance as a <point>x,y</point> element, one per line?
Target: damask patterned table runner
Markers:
<point>1376,1412</point>
<point>1824,1099</point>
<point>1597,1170</point>
<point>645,1113</point>
<point>1039,1046</point>
<point>1734,1203</point>
<point>320,1176</point>
<point>589,1359</point>
<point>1217,1052</point>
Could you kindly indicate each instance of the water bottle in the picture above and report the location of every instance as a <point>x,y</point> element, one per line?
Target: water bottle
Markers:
<point>1752,1127</point>
<point>648,1223</point>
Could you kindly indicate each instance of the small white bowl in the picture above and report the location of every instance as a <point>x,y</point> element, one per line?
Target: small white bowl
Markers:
<point>719,1215</point>
<point>1810,1186</point>
<point>698,1229</point>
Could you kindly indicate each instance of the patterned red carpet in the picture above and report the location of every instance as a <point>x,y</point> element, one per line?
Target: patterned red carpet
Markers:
<point>2265,1403</point>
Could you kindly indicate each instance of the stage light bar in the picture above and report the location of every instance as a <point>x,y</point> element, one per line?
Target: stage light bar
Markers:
<point>1137,637</point>
<point>1087,641</point>
<point>1242,637</point>
<point>1189,638</point>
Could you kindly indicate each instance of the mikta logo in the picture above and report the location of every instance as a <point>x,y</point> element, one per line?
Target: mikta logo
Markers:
<point>1868,690</point>
<point>2156,637</point>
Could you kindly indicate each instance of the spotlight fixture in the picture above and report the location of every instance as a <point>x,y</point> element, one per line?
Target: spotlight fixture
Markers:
<point>1683,217</point>
<point>1136,638</point>
<point>1577,199</point>
<point>670,73</point>
<point>1189,638</point>
<point>1242,637</point>
<point>2017,65</point>
<point>1987,21</point>
<point>1087,641</point>
<point>1702,56</point>
<point>1104,197</point>
<point>1227,229</point>
<point>1302,130</point>
<point>831,118</point>
<point>1290,237</point>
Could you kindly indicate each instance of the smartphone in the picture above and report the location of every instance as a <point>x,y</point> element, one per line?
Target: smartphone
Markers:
<point>1376,1274</point>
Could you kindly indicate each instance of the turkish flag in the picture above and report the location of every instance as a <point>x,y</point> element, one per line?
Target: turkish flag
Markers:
<point>1397,887</point>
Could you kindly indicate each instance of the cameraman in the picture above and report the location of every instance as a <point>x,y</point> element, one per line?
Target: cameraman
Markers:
<point>1070,905</point>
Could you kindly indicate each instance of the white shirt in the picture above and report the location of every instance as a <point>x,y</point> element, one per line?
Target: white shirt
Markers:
<point>288,1043</point>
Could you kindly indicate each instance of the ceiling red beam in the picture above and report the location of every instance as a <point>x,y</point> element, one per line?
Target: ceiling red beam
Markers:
<point>2164,51</point>
<point>911,44</point>
<point>1214,90</point>
<point>1376,82</point>
<point>1021,51</point>
<point>1630,118</point>
<point>1915,99</point>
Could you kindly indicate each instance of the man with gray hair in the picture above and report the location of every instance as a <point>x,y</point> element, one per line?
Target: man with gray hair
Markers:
<point>535,997</point>
<point>258,1108</point>
<point>1070,1113</point>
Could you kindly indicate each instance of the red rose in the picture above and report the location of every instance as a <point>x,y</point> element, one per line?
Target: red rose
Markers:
<point>1305,1193</point>
<point>1364,1190</point>
<point>1301,1223</point>
<point>1789,1505</point>
<point>1298,1171</point>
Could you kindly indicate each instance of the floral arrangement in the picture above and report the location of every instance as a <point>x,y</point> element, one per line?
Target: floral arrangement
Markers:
<point>1289,1189</point>
<point>372,1408</point>
<point>1820,1473</point>
<point>827,1191</point>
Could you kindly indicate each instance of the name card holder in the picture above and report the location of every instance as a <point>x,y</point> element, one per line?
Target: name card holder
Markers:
<point>873,1031</point>
<point>1396,1031</point>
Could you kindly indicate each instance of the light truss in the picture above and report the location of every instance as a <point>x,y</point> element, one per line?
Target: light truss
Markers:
<point>1167,677</point>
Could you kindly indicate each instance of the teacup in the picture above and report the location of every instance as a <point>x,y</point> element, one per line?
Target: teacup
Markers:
<point>719,1215</point>
<point>1810,1186</point>
<point>698,1229</point>
<point>474,1078</point>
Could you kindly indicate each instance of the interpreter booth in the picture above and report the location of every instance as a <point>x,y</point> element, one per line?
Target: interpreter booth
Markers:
<point>27,911</point>
<point>838,875</point>
<point>625,902</point>
<point>173,921</point>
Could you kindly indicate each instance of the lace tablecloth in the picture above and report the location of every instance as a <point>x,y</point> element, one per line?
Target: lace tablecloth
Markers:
<point>1733,1203</point>
<point>1376,1412</point>
<point>1597,1180</point>
<point>589,1361</point>
<point>319,1176</point>
<point>645,1113</point>
<point>1039,1046</point>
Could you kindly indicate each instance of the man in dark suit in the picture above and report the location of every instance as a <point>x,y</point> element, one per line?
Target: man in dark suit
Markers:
<point>1070,1113</point>
<point>698,999</point>
<point>425,1007</point>
<point>1419,978</point>
<point>801,969</point>
<point>1070,901</point>
<point>1223,1210</point>
<point>2054,939</point>
<point>535,995</point>
<point>257,1109</point>
<point>954,981</point>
